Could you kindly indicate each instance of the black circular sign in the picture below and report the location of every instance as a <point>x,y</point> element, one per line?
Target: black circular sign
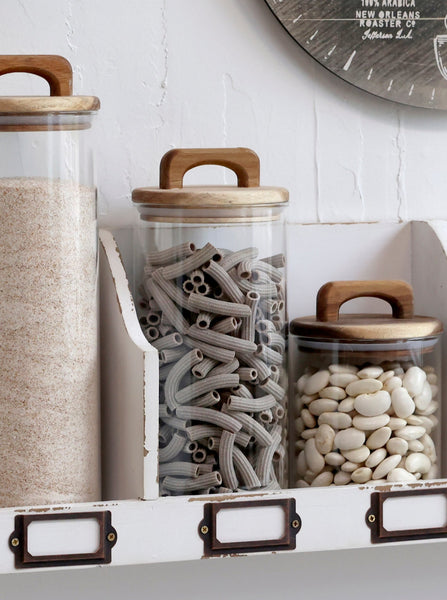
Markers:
<point>396,49</point>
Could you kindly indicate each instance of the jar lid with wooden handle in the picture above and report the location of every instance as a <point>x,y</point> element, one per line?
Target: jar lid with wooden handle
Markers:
<point>402,324</point>
<point>172,195</point>
<point>20,113</point>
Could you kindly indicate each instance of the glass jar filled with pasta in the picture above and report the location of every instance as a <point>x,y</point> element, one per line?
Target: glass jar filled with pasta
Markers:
<point>367,390</point>
<point>210,288</point>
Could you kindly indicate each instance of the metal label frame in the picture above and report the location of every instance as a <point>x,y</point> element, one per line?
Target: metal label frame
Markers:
<point>213,547</point>
<point>18,541</point>
<point>374,518</point>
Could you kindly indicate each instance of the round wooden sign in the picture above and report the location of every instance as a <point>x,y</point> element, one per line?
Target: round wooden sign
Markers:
<point>396,49</point>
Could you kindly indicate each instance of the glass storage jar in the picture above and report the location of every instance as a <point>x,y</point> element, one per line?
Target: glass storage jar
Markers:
<point>49,429</point>
<point>211,294</point>
<point>367,390</point>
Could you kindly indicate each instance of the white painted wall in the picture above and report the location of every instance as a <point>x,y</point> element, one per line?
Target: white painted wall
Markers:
<point>224,73</point>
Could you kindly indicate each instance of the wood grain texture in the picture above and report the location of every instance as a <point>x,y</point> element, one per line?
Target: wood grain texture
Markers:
<point>395,49</point>
<point>177,162</point>
<point>54,69</point>
<point>332,295</point>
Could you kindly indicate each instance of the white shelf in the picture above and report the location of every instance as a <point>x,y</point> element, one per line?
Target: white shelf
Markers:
<point>151,529</point>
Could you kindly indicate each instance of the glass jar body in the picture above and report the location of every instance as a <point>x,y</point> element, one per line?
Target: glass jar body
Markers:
<point>49,432</point>
<point>365,412</point>
<point>211,298</point>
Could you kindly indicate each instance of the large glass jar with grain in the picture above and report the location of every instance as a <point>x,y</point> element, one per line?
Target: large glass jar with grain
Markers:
<point>49,426</point>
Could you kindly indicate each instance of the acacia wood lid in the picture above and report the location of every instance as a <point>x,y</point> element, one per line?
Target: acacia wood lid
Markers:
<point>242,161</point>
<point>57,71</point>
<point>401,325</point>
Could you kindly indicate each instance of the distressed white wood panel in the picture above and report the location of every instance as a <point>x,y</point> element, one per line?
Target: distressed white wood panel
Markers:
<point>429,278</point>
<point>129,384</point>
<point>321,253</point>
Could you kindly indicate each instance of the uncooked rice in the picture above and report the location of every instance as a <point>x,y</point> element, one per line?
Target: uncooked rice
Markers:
<point>49,425</point>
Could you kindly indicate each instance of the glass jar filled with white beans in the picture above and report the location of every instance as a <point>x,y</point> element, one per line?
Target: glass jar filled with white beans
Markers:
<point>210,288</point>
<point>367,390</point>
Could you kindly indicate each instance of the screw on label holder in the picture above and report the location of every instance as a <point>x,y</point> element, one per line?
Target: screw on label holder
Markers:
<point>374,518</point>
<point>210,535</point>
<point>18,541</point>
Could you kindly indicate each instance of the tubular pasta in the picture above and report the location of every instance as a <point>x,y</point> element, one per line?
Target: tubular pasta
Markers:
<point>220,354</point>
<point>265,457</point>
<point>225,368</point>
<point>165,257</point>
<point>179,469</point>
<point>176,484</point>
<point>277,260</point>
<point>168,341</point>
<point>202,369</point>
<point>270,387</point>
<point>245,469</point>
<point>254,428</point>
<point>208,415</point>
<point>176,374</point>
<point>222,340</point>
<point>227,325</point>
<point>225,282</point>
<point>174,447</point>
<point>195,261</point>
<point>269,355</point>
<point>251,404</point>
<point>209,399</point>
<point>229,477</point>
<point>231,260</point>
<point>170,310</point>
<point>217,307</point>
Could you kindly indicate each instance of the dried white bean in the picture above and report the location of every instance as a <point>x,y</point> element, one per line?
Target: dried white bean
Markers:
<point>342,379</point>
<point>335,419</point>
<point>375,458</point>
<point>387,465</point>
<point>359,455</point>
<point>410,432</point>
<point>417,462</point>
<point>402,403</point>
<point>346,405</point>
<point>323,479</point>
<point>349,467</point>
<point>397,446</point>
<point>334,459</point>
<point>378,438</point>
<point>371,423</point>
<point>334,393</point>
<point>342,478</point>
<point>318,407</point>
<point>361,475</point>
<point>314,459</point>
<point>316,382</point>
<point>414,380</point>
<point>363,386</point>
<point>371,405</point>
<point>392,384</point>
<point>324,439</point>
<point>370,373</point>
<point>349,439</point>
<point>342,369</point>
<point>399,474</point>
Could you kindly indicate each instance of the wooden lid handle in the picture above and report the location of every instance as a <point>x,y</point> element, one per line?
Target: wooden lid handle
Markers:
<point>176,163</point>
<point>55,69</point>
<point>331,296</point>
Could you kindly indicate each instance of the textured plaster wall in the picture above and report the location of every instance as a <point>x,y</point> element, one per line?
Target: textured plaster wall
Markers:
<point>224,73</point>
